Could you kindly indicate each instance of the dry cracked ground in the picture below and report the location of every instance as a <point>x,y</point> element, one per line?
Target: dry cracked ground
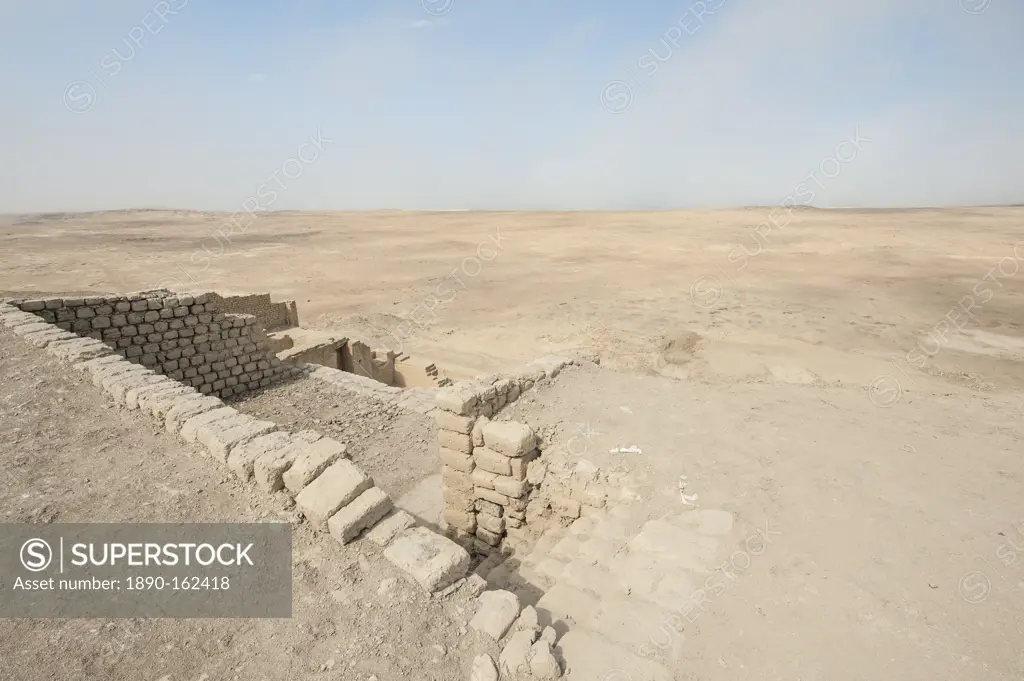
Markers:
<point>853,383</point>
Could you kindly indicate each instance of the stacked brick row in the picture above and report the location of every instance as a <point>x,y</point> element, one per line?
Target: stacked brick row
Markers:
<point>526,647</point>
<point>484,463</point>
<point>329,490</point>
<point>270,315</point>
<point>499,479</point>
<point>484,466</point>
<point>455,440</point>
<point>490,394</point>
<point>181,336</point>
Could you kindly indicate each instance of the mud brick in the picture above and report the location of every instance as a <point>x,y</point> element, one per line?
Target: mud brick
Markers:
<point>509,438</point>
<point>191,426</point>
<point>221,436</point>
<point>389,528</point>
<point>482,478</point>
<point>457,480</point>
<point>460,520</point>
<point>492,461</point>
<point>519,465</point>
<point>478,431</point>
<point>269,469</point>
<point>490,523</point>
<point>511,488</point>
<point>453,422</point>
<point>338,486</point>
<point>133,396</point>
<point>489,508</point>
<point>491,496</point>
<point>460,442</point>
<point>362,514</point>
<point>457,501</point>
<point>457,460</point>
<point>490,538</point>
<point>457,401</point>
<point>311,461</point>
<point>435,562</point>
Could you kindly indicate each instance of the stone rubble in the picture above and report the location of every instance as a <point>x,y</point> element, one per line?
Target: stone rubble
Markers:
<point>496,612</point>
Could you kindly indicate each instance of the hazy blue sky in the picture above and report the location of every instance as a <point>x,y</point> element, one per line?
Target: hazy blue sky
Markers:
<point>480,104</point>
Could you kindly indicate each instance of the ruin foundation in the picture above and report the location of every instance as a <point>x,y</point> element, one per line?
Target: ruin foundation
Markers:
<point>186,338</point>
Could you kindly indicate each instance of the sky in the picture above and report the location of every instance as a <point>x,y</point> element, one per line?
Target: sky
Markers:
<point>531,105</point>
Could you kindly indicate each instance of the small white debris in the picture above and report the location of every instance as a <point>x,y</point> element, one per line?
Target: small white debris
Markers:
<point>633,449</point>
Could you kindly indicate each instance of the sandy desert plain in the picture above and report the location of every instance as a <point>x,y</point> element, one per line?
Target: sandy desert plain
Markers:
<point>850,379</point>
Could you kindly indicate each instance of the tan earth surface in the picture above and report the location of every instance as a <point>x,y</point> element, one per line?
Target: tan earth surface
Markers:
<point>851,380</point>
<point>820,295</point>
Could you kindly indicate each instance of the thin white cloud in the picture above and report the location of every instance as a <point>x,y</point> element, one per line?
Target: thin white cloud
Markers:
<point>421,24</point>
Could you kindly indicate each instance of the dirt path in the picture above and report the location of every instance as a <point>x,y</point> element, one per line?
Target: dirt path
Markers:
<point>65,456</point>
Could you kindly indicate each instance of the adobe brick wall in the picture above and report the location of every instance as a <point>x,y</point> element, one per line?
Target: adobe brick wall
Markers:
<point>323,354</point>
<point>187,338</point>
<point>485,483</point>
<point>336,498</point>
<point>269,314</point>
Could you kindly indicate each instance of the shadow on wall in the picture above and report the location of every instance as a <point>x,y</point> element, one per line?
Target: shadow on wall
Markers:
<point>293,343</point>
<point>185,337</point>
<point>356,357</point>
<point>270,315</point>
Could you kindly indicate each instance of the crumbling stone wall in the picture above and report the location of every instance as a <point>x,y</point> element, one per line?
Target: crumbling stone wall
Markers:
<point>325,354</point>
<point>485,463</point>
<point>270,315</point>
<point>484,483</point>
<point>330,492</point>
<point>185,337</point>
<point>565,487</point>
<point>351,356</point>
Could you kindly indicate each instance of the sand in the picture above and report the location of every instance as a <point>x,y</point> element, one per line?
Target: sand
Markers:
<point>851,377</point>
<point>830,296</point>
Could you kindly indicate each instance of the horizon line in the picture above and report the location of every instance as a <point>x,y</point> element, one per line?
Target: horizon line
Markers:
<point>199,211</point>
